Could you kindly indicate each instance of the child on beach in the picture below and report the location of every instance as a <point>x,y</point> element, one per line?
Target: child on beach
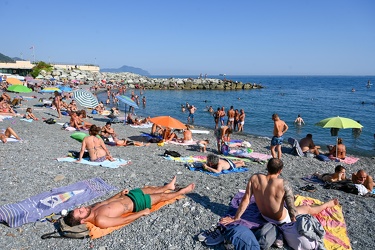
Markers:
<point>29,115</point>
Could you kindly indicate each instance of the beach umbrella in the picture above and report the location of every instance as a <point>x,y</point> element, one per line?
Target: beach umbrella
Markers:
<point>127,101</point>
<point>19,89</point>
<point>85,98</point>
<point>14,81</point>
<point>338,122</point>
<point>65,89</point>
<point>167,121</point>
<point>50,90</point>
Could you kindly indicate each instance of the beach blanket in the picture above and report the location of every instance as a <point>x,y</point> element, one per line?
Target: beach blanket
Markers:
<point>5,117</point>
<point>198,166</point>
<point>150,136</point>
<point>257,157</point>
<point>26,120</point>
<point>145,125</point>
<point>107,163</point>
<point>195,131</point>
<point>182,143</point>
<point>187,159</point>
<point>332,220</point>
<point>313,179</point>
<point>349,160</point>
<point>37,207</point>
<point>96,232</point>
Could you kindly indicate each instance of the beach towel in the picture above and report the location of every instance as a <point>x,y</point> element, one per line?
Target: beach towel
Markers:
<point>26,120</point>
<point>332,220</point>
<point>254,156</point>
<point>96,232</point>
<point>37,207</point>
<point>195,131</point>
<point>5,117</point>
<point>107,163</point>
<point>313,179</point>
<point>145,125</point>
<point>349,160</point>
<point>150,136</point>
<point>198,166</point>
<point>182,143</point>
<point>187,159</point>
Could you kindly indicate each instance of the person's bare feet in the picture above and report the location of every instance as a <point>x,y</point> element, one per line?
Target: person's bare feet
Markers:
<point>187,189</point>
<point>171,185</point>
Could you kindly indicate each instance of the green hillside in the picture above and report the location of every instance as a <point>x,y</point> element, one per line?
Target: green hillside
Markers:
<point>4,58</point>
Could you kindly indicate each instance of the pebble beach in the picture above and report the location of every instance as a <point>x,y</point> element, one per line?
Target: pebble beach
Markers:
<point>30,167</point>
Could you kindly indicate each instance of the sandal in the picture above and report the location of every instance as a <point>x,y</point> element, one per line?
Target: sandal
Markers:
<point>308,188</point>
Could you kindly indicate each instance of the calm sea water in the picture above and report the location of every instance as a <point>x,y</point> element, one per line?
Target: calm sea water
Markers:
<point>313,97</point>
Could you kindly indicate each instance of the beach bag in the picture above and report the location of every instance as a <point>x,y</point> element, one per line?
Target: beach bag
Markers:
<point>266,235</point>
<point>50,121</point>
<point>346,186</point>
<point>65,231</point>
<point>172,153</point>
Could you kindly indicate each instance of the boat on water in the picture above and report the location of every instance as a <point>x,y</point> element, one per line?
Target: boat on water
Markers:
<point>222,74</point>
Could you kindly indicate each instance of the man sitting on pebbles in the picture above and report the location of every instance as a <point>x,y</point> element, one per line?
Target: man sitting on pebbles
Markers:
<point>139,201</point>
<point>362,178</point>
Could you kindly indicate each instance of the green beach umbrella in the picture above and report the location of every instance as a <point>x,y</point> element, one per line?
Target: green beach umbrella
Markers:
<point>19,89</point>
<point>338,122</point>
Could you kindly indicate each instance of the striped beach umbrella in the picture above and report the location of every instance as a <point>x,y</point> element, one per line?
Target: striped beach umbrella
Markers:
<point>85,98</point>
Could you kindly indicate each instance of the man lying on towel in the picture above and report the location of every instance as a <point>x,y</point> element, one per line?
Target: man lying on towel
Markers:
<point>216,164</point>
<point>139,201</point>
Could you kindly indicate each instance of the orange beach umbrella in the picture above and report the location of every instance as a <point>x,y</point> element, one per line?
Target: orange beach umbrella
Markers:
<point>14,81</point>
<point>167,121</point>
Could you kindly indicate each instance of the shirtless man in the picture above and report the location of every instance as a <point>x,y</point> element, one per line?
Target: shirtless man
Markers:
<point>5,134</point>
<point>307,145</point>
<point>339,175</point>
<point>241,120</point>
<point>361,177</point>
<point>270,193</point>
<point>216,164</point>
<point>222,135</point>
<point>222,115</point>
<point>192,110</point>
<point>230,122</point>
<point>299,121</point>
<point>139,201</point>
<point>108,131</point>
<point>279,129</point>
<point>216,116</point>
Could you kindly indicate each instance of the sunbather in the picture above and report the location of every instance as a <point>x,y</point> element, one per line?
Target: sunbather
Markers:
<point>107,131</point>
<point>216,164</point>
<point>29,114</point>
<point>156,130</point>
<point>203,145</point>
<point>361,177</point>
<point>95,146</point>
<point>7,133</point>
<point>139,201</point>
<point>339,175</point>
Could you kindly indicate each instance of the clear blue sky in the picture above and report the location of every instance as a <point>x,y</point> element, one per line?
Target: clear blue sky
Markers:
<point>247,37</point>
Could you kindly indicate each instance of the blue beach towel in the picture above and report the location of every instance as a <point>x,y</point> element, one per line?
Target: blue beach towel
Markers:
<point>37,207</point>
<point>198,166</point>
<point>26,120</point>
<point>108,164</point>
<point>150,136</point>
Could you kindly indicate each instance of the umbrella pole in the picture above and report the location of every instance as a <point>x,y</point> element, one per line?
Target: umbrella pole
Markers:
<point>337,141</point>
<point>125,115</point>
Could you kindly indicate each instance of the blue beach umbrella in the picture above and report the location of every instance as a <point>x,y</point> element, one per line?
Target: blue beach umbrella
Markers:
<point>127,101</point>
<point>65,89</point>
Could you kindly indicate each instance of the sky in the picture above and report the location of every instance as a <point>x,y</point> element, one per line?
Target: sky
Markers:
<point>169,37</point>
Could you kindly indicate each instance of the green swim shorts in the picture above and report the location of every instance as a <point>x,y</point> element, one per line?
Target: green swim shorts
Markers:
<point>140,200</point>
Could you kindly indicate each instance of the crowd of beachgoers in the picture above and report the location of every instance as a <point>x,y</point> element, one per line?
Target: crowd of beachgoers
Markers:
<point>29,167</point>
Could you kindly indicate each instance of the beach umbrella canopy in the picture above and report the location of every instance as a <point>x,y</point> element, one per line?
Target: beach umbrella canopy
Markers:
<point>338,122</point>
<point>167,121</point>
<point>85,98</point>
<point>14,81</point>
<point>50,90</point>
<point>19,89</point>
<point>127,101</point>
<point>65,89</point>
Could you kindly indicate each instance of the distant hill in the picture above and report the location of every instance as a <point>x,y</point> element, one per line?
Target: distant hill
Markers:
<point>130,69</point>
<point>5,59</point>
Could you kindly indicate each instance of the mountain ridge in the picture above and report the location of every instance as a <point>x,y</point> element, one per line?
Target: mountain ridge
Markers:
<point>126,68</point>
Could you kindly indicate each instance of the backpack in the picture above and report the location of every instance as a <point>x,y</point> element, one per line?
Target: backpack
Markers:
<point>65,231</point>
<point>50,121</point>
<point>346,186</point>
<point>172,153</point>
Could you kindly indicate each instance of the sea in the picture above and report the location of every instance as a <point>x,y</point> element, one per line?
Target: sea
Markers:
<point>314,98</point>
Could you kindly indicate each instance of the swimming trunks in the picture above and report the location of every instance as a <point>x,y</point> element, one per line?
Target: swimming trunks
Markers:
<point>231,163</point>
<point>201,145</point>
<point>277,140</point>
<point>285,220</point>
<point>140,200</point>
<point>99,159</point>
<point>242,123</point>
<point>191,115</point>
<point>231,119</point>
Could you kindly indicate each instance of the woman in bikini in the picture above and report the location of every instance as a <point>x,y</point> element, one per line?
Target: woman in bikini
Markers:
<point>95,146</point>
